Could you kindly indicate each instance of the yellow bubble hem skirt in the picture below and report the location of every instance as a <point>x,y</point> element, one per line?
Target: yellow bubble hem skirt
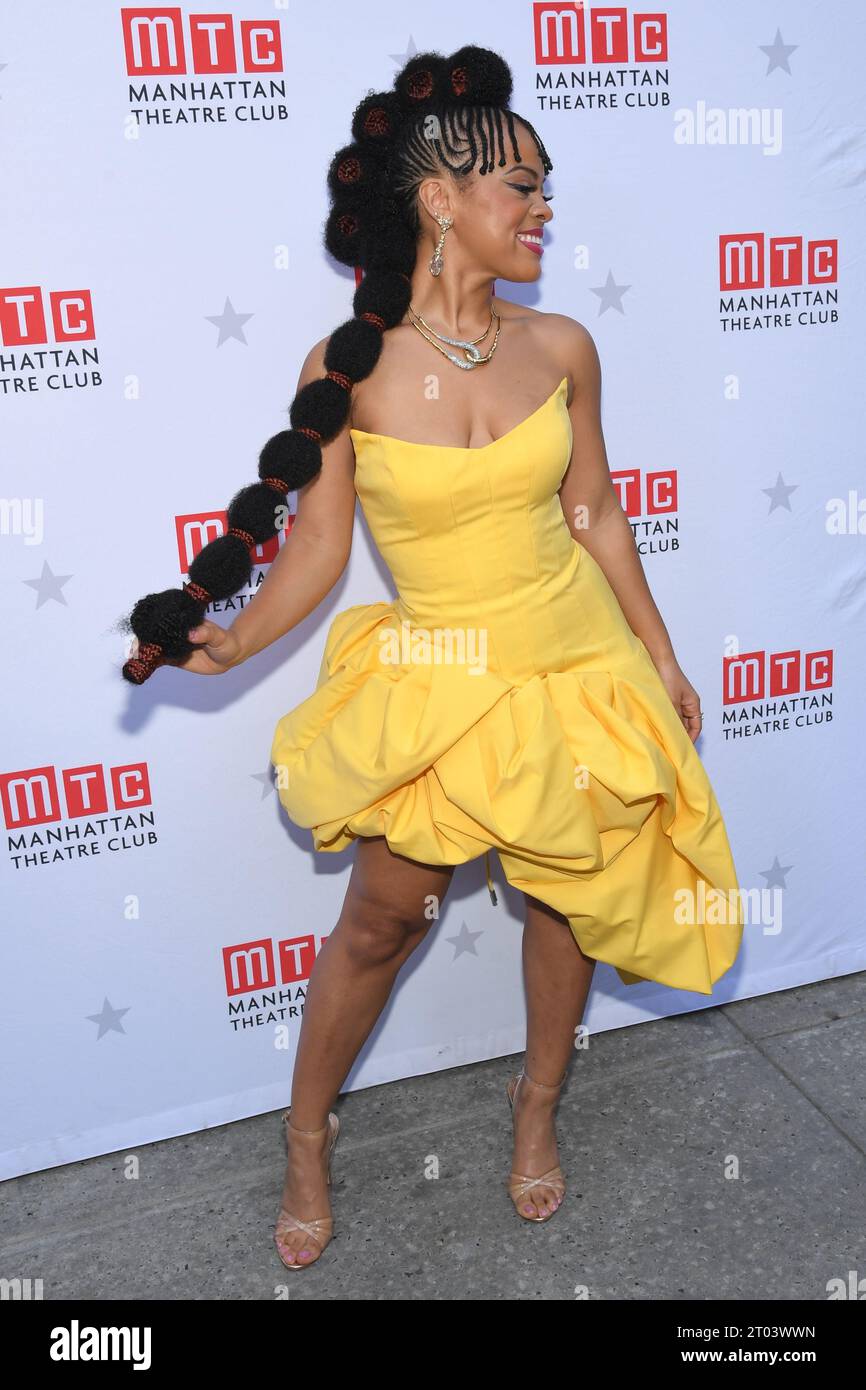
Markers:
<point>584,781</point>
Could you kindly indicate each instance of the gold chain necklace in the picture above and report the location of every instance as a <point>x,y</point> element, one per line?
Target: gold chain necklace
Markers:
<point>472,357</point>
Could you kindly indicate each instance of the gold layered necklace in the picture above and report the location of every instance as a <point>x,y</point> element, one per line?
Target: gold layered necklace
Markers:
<point>472,356</point>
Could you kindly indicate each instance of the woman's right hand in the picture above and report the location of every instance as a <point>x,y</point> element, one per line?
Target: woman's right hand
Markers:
<point>216,649</point>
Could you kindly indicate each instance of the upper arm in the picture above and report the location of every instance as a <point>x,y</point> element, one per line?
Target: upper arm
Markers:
<point>326,505</point>
<point>587,483</point>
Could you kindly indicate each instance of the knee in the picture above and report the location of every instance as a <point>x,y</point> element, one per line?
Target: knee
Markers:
<point>375,932</point>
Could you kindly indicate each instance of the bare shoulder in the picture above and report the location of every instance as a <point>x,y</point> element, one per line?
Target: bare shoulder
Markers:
<point>569,330</point>
<point>567,341</point>
<point>575,348</point>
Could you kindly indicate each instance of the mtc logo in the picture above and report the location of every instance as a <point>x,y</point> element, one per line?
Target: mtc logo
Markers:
<point>153,39</point>
<point>754,675</point>
<point>23,321</point>
<point>562,35</point>
<point>198,529</point>
<point>647,494</point>
<point>745,263</point>
<point>251,965</point>
<point>35,796</point>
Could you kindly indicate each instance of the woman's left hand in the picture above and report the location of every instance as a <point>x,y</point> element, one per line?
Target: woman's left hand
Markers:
<point>684,697</point>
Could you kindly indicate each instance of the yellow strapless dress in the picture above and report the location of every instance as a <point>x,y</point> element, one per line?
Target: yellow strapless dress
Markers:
<point>502,701</point>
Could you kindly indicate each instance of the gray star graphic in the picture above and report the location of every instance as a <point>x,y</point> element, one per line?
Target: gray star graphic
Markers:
<point>779,494</point>
<point>778,53</point>
<point>775,875</point>
<point>230,323</point>
<point>610,295</point>
<point>401,59</point>
<point>108,1020</point>
<point>49,585</point>
<point>464,942</point>
<point>267,781</point>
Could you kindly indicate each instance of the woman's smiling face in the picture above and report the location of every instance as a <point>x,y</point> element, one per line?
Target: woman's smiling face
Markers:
<point>499,217</point>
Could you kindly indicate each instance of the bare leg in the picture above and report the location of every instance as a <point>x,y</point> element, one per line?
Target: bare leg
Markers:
<point>384,917</point>
<point>557,977</point>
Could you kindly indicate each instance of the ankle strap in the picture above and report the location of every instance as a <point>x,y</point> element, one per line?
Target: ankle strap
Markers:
<point>545,1085</point>
<point>295,1130</point>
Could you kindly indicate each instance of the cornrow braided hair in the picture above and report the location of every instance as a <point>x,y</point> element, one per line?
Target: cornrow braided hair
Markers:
<point>441,114</point>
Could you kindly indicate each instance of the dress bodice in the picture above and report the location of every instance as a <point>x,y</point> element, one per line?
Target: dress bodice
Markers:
<point>477,536</point>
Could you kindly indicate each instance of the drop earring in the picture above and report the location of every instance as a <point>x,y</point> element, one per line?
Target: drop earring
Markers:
<point>436,258</point>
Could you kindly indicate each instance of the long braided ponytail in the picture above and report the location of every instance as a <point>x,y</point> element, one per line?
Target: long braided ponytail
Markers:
<point>438,109</point>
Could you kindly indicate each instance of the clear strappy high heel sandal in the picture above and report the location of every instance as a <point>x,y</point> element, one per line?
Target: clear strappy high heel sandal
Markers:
<point>518,1183</point>
<point>321,1228</point>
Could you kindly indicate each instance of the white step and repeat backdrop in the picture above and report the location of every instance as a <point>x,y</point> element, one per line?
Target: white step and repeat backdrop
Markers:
<point>163,278</point>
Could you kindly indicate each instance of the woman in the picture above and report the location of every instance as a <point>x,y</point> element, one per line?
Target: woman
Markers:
<point>469,428</point>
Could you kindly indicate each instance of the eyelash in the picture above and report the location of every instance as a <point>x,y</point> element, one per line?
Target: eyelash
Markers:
<point>527,189</point>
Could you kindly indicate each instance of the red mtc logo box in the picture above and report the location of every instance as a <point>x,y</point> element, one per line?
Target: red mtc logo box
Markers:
<point>752,675</point>
<point>745,263</point>
<point>153,40</point>
<point>250,966</point>
<point>33,795</point>
<point>23,321</point>
<point>574,34</point>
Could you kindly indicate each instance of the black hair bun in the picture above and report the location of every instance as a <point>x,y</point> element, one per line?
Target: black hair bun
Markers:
<point>377,118</point>
<point>354,171</point>
<point>422,82</point>
<point>479,77</point>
